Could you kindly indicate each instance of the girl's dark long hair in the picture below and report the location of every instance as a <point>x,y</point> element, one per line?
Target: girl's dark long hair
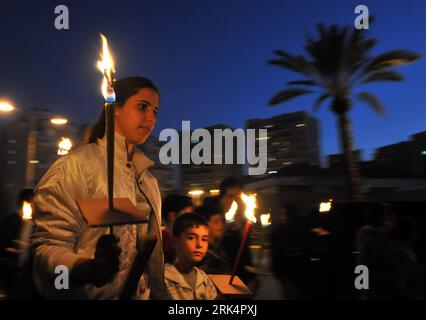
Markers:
<point>124,88</point>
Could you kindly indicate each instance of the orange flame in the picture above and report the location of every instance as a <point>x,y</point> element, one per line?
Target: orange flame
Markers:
<point>27,211</point>
<point>229,216</point>
<point>250,204</point>
<point>106,66</point>
<point>265,219</point>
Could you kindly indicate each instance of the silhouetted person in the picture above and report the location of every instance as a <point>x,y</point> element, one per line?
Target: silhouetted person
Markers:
<point>385,249</point>
<point>10,229</point>
<point>290,241</point>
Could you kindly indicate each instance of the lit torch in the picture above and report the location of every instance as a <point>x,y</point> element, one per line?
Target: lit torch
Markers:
<point>250,204</point>
<point>106,66</point>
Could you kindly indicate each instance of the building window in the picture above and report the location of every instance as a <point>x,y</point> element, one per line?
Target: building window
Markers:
<point>300,125</point>
<point>10,185</point>
<point>11,162</point>
<point>11,151</point>
<point>12,141</point>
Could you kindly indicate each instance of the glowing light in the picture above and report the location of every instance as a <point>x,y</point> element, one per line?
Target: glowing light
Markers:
<point>6,106</point>
<point>64,146</point>
<point>58,121</point>
<point>229,216</point>
<point>265,219</point>
<point>325,207</point>
<point>27,211</point>
<point>214,191</point>
<point>196,192</point>
<point>250,203</point>
<point>106,66</point>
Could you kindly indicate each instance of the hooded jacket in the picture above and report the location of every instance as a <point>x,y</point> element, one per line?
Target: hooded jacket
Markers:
<point>62,235</point>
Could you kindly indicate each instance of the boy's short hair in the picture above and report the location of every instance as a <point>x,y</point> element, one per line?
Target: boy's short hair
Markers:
<point>175,203</point>
<point>188,220</point>
<point>210,209</point>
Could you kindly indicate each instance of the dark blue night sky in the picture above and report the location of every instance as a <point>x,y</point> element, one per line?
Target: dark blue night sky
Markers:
<point>208,58</point>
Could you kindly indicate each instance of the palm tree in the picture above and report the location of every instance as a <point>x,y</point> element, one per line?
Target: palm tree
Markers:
<point>337,62</point>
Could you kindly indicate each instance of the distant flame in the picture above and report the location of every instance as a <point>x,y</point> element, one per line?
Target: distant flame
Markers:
<point>265,219</point>
<point>229,216</point>
<point>106,66</point>
<point>27,211</point>
<point>325,207</point>
<point>64,146</point>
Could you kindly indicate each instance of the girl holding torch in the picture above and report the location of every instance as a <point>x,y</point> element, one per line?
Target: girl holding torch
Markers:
<point>98,263</point>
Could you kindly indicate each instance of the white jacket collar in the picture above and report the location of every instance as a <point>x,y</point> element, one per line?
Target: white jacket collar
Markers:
<point>174,275</point>
<point>136,156</point>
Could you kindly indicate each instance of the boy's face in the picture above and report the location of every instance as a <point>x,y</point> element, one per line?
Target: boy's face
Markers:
<point>216,225</point>
<point>193,243</point>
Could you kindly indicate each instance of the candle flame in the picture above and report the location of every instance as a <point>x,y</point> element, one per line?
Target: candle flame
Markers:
<point>250,203</point>
<point>106,66</point>
<point>325,207</point>
<point>64,146</point>
<point>27,211</point>
<point>229,216</point>
<point>265,219</point>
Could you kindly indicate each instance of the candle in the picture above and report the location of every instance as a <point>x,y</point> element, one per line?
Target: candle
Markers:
<point>250,203</point>
<point>106,66</point>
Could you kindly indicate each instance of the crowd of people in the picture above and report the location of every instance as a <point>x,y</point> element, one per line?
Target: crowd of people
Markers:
<point>194,242</point>
<point>318,261</point>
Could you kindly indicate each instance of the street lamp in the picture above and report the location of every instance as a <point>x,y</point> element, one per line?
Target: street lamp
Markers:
<point>58,121</point>
<point>64,147</point>
<point>6,106</point>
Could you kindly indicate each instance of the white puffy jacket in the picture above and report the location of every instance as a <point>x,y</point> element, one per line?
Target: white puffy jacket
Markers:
<point>62,235</point>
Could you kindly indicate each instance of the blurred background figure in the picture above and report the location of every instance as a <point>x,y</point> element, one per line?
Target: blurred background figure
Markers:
<point>10,228</point>
<point>213,262</point>
<point>385,247</point>
<point>290,243</point>
<point>173,206</point>
<point>230,190</point>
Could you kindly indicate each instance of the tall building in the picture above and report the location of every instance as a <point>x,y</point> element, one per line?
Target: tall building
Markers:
<point>293,138</point>
<point>206,178</point>
<point>404,158</point>
<point>337,162</point>
<point>29,145</point>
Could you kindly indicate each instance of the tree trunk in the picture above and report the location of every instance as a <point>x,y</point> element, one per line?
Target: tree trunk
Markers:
<point>351,159</point>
